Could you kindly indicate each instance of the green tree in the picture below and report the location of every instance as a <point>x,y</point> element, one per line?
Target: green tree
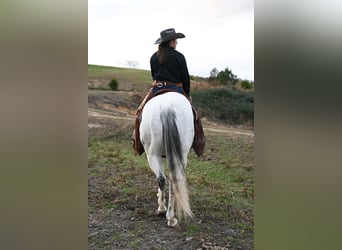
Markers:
<point>226,77</point>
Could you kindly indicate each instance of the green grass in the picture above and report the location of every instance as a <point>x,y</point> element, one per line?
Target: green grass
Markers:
<point>221,185</point>
<point>230,182</point>
<point>128,79</point>
<point>192,229</point>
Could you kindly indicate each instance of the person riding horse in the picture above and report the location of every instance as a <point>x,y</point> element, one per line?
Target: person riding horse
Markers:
<point>169,73</point>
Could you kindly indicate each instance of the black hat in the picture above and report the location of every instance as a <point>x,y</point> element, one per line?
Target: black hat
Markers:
<point>168,35</point>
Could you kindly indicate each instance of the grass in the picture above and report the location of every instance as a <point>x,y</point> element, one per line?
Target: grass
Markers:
<point>192,229</point>
<point>227,178</point>
<point>221,185</point>
<point>98,71</point>
<point>128,79</point>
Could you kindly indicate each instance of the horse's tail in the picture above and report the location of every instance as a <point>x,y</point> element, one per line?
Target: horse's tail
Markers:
<point>176,163</point>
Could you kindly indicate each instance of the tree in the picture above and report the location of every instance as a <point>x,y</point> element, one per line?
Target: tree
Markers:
<point>226,77</point>
<point>213,73</point>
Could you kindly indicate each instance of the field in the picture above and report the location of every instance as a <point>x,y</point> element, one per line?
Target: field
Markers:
<point>122,189</point>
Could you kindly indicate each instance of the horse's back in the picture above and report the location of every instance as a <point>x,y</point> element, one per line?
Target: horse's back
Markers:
<point>169,99</point>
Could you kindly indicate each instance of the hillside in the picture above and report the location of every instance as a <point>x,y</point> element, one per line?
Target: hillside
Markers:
<point>129,79</point>
<point>220,103</point>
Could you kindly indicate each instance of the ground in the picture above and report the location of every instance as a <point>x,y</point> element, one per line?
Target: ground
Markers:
<point>122,189</point>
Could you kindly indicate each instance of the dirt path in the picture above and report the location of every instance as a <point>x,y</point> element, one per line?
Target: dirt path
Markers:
<point>125,116</point>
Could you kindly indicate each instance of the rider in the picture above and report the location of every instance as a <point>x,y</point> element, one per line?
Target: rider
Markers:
<point>168,65</point>
<point>170,73</point>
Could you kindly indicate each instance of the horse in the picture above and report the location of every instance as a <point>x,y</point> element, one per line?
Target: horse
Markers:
<point>167,130</point>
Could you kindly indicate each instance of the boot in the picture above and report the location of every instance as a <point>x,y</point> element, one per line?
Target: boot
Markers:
<point>137,146</point>
<point>199,139</point>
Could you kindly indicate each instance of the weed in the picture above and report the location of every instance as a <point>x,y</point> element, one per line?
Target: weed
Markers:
<point>135,244</point>
<point>192,229</point>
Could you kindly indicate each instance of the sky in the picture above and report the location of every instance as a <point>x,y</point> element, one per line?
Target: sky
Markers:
<point>218,33</point>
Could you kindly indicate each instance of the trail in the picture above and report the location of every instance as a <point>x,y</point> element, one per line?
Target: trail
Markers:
<point>106,114</point>
<point>125,116</point>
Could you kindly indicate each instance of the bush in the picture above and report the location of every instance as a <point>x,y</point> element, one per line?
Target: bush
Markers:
<point>245,84</point>
<point>226,77</point>
<point>231,106</point>
<point>113,84</point>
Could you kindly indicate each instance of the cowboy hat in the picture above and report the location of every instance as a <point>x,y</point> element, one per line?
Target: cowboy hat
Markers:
<point>168,35</point>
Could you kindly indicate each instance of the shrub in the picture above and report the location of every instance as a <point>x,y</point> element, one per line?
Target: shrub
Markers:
<point>232,106</point>
<point>245,84</point>
<point>113,84</point>
<point>226,77</point>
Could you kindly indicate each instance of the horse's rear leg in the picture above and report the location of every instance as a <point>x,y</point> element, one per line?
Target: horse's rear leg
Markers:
<point>155,163</point>
<point>170,215</point>
<point>161,195</point>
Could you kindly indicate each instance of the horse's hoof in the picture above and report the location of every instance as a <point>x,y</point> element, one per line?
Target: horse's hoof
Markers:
<point>161,213</point>
<point>161,210</point>
<point>173,222</point>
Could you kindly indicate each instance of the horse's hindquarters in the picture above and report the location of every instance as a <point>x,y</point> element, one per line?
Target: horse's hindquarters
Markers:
<point>151,123</point>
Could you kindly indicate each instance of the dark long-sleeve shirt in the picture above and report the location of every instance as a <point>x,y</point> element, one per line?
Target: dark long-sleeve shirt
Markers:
<point>175,70</point>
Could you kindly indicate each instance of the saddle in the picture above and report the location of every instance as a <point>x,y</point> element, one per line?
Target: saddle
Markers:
<point>199,138</point>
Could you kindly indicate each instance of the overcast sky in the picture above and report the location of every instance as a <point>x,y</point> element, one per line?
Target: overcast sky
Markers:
<point>219,33</point>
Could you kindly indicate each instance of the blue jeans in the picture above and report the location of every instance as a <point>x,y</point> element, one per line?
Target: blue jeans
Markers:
<point>167,87</point>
